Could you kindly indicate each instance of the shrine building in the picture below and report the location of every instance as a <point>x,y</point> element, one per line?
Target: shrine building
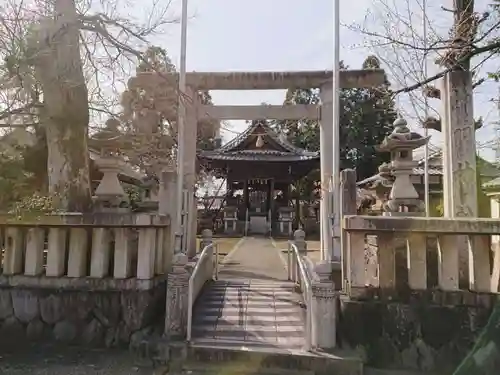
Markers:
<point>259,166</point>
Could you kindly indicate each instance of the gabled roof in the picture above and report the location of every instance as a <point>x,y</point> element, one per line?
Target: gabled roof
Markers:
<point>277,147</point>
<point>435,160</point>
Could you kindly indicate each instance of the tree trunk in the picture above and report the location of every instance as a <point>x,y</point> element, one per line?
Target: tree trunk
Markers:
<point>65,113</point>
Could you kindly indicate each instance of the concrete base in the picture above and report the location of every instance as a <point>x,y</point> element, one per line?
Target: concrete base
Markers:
<point>95,318</point>
<point>420,335</point>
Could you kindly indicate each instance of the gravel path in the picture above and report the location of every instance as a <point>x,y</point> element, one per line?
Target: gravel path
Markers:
<point>48,360</point>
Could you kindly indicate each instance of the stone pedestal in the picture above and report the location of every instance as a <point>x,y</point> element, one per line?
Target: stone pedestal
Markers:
<point>324,313</point>
<point>109,194</point>
<point>177,299</point>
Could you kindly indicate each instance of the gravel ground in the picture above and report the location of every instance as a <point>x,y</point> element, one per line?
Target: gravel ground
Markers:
<point>48,360</point>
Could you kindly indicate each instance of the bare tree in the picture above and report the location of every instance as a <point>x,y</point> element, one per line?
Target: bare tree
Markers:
<point>395,31</point>
<point>57,55</point>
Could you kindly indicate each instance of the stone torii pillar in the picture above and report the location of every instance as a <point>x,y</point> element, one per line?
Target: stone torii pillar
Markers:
<point>330,236</point>
<point>190,143</point>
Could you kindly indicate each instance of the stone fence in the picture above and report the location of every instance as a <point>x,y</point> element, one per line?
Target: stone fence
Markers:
<point>418,290</point>
<point>461,257</point>
<point>96,283</point>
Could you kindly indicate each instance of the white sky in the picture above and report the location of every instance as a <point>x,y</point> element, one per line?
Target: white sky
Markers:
<point>256,35</point>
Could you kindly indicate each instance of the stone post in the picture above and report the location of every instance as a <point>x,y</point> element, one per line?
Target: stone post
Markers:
<point>348,198</point>
<point>177,298</point>
<point>206,239</point>
<point>494,196</point>
<point>324,312</point>
<point>167,202</point>
<point>459,157</point>
<point>299,239</point>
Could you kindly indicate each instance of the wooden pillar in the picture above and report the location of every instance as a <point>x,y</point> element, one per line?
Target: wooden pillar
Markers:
<point>245,194</point>
<point>286,194</point>
<point>229,184</point>
<point>271,195</point>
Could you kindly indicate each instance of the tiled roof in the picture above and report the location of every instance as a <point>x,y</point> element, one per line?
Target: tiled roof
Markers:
<point>418,171</point>
<point>259,155</point>
<point>495,183</point>
<point>230,152</point>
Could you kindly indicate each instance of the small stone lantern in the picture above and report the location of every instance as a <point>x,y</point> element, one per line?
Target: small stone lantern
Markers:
<point>403,198</point>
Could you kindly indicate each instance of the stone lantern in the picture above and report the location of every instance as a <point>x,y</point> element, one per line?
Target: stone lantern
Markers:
<point>109,194</point>
<point>150,199</point>
<point>403,198</point>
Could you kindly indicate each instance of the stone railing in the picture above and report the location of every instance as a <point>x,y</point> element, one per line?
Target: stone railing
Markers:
<point>444,259</point>
<point>96,280</point>
<point>204,270</point>
<point>318,292</point>
<point>32,251</point>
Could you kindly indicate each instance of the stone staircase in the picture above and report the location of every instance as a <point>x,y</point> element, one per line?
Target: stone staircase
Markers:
<point>250,313</point>
<point>252,321</point>
<point>245,326</point>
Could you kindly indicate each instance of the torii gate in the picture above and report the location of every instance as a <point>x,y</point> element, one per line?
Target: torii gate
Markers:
<point>198,81</point>
<point>323,80</point>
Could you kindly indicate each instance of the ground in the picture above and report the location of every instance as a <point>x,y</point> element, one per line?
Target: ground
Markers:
<point>313,249</point>
<point>226,244</point>
<point>68,360</point>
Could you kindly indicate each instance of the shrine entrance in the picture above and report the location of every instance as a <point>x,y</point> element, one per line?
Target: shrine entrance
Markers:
<point>259,193</point>
<point>259,166</point>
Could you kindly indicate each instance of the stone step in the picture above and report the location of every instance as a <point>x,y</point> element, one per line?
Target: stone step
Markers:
<point>267,312</point>
<point>257,359</point>
<point>238,369</point>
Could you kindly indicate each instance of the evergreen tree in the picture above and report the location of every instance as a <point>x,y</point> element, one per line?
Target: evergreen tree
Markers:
<point>366,118</point>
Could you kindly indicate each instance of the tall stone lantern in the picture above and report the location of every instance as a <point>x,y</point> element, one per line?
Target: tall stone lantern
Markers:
<point>403,198</point>
<point>109,194</point>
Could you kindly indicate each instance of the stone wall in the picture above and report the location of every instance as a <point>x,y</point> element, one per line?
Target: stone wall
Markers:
<point>78,316</point>
<point>418,335</point>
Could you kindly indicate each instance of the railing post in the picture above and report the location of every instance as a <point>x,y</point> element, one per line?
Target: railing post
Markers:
<point>206,239</point>
<point>33,264</point>
<point>56,253</point>
<point>299,239</point>
<point>123,254</point>
<point>324,312</point>
<point>176,308</point>
<point>289,261</point>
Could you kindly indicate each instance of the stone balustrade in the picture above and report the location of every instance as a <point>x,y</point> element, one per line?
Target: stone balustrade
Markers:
<point>86,250</point>
<point>99,280</point>
<point>372,269</point>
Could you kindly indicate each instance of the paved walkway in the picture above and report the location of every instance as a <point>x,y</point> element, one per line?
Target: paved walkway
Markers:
<point>255,258</point>
<point>252,303</point>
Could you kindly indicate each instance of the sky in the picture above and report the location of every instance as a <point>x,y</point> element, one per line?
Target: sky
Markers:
<point>280,35</point>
